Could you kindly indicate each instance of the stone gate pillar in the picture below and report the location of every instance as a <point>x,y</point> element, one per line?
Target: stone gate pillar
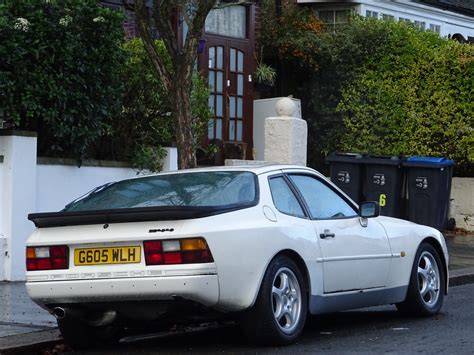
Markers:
<point>286,136</point>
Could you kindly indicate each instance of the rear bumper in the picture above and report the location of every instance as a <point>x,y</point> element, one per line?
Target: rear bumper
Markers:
<point>203,289</point>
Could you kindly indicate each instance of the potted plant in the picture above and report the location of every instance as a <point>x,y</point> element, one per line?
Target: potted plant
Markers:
<point>264,75</point>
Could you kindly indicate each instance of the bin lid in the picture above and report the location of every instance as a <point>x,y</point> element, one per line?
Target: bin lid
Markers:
<point>382,160</point>
<point>428,162</point>
<point>352,158</point>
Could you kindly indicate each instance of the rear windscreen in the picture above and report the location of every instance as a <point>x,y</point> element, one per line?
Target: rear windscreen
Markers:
<point>221,189</point>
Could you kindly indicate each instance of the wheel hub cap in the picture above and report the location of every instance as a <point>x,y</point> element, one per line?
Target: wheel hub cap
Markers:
<point>428,279</point>
<point>286,300</point>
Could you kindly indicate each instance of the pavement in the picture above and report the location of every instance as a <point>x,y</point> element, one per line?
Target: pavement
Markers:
<point>24,325</point>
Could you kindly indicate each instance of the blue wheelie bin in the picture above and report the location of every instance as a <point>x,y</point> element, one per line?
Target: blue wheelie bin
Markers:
<point>429,190</point>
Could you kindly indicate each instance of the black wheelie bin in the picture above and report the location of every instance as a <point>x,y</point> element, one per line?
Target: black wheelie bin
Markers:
<point>429,190</point>
<point>346,173</point>
<point>384,183</point>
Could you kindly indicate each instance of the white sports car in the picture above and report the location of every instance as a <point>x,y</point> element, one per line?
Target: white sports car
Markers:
<point>266,243</point>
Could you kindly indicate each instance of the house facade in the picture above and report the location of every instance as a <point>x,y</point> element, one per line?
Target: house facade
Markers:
<point>226,57</point>
<point>449,18</point>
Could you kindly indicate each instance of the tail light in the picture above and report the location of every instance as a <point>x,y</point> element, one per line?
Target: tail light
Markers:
<point>47,258</point>
<point>177,251</point>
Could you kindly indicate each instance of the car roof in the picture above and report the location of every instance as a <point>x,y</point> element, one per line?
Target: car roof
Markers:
<point>257,169</point>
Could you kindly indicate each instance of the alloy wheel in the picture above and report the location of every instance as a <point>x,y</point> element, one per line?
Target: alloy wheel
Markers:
<point>428,279</point>
<point>286,300</point>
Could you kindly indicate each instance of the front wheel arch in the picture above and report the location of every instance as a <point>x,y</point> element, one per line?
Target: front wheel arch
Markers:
<point>424,295</point>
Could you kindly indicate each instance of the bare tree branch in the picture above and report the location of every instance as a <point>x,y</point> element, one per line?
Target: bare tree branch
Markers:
<point>195,29</point>
<point>150,47</point>
<point>163,11</point>
<point>183,11</point>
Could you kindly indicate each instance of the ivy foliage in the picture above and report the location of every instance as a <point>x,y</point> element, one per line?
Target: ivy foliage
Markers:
<point>414,98</point>
<point>60,71</point>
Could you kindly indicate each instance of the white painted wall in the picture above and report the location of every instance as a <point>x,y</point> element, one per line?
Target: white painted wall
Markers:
<point>18,199</point>
<point>28,187</point>
<point>449,21</point>
<point>57,185</point>
<point>462,202</point>
<point>3,239</point>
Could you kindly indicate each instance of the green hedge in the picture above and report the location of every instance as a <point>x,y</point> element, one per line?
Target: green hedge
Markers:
<point>415,97</point>
<point>60,71</point>
<point>383,87</point>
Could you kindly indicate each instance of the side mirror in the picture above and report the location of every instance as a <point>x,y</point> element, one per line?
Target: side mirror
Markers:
<point>369,209</point>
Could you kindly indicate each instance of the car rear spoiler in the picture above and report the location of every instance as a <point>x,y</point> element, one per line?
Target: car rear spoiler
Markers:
<point>123,215</point>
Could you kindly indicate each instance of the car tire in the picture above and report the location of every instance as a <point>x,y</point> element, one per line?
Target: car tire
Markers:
<point>427,284</point>
<point>79,335</point>
<point>279,313</point>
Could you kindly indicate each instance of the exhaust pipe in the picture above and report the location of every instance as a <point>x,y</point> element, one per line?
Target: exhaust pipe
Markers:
<point>59,312</point>
<point>103,319</point>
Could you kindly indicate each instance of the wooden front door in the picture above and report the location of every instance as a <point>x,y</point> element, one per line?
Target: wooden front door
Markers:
<point>229,64</point>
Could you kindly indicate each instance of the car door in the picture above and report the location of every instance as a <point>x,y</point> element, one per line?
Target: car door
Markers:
<point>355,255</point>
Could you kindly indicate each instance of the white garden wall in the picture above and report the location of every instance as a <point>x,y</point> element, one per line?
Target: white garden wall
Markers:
<point>58,185</point>
<point>462,202</point>
<point>29,184</point>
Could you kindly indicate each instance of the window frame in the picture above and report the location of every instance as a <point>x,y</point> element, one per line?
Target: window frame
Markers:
<point>247,26</point>
<point>295,193</point>
<point>372,14</point>
<point>387,17</point>
<point>328,185</point>
<point>349,10</point>
<point>433,27</point>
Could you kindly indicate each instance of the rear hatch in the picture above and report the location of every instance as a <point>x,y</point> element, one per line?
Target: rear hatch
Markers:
<point>134,227</point>
<point>139,249</point>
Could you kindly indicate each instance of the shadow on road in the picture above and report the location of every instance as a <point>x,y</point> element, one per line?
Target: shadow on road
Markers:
<point>318,330</point>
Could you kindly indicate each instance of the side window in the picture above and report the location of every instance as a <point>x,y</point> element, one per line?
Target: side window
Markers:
<point>284,199</point>
<point>323,202</point>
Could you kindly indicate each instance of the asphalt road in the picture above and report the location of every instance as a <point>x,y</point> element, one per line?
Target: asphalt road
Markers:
<point>375,330</point>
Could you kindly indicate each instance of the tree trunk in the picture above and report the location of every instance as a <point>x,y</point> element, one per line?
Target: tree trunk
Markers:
<point>183,121</point>
<point>178,80</point>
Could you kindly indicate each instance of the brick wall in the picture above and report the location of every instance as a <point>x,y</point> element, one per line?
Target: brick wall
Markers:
<point>130,25</point>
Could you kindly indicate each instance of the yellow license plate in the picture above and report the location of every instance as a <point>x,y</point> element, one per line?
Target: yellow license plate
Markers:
<point>110,255</point>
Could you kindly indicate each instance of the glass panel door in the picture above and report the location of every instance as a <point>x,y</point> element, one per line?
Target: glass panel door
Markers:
<point>216,98</point>
<point>226,79</point>
<point>228,64</point>
<point>236,93</point>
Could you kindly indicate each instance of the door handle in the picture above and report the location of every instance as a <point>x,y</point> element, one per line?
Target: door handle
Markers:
<point>326,235</point>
